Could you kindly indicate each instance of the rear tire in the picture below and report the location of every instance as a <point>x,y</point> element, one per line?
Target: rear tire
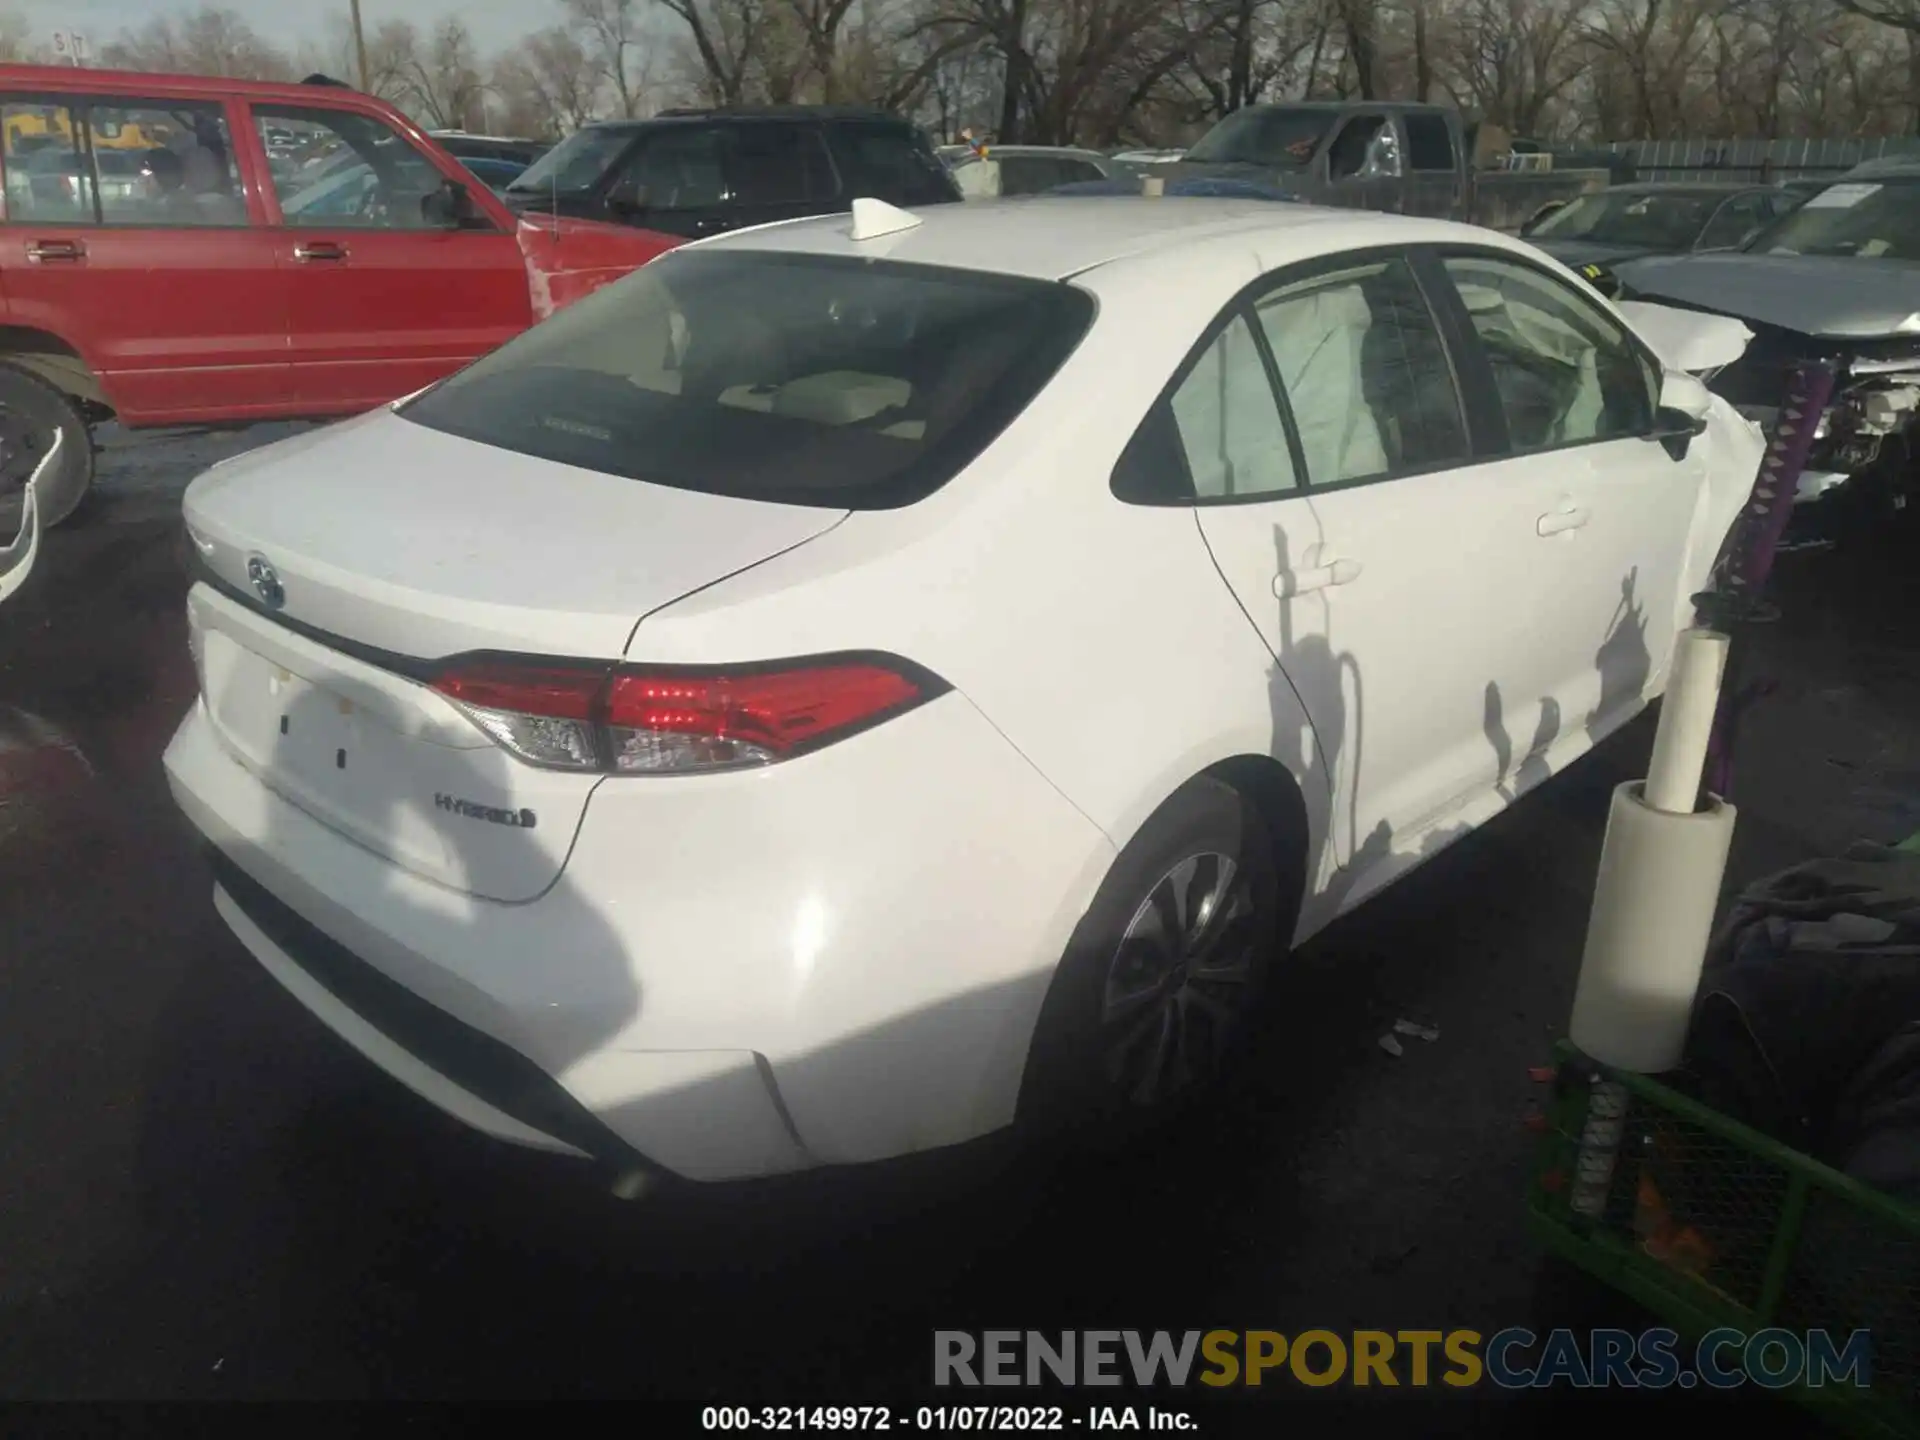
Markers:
<point>31,413</point>
<point>1151,1004</point>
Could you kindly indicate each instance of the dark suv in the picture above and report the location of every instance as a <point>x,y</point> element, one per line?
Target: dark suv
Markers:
<point>699,172</point>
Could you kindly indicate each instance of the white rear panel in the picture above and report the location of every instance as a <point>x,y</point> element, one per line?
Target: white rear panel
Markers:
<point>380,758</point>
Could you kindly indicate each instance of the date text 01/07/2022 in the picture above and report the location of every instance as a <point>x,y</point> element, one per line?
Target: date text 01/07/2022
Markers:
<point>994,1418</point>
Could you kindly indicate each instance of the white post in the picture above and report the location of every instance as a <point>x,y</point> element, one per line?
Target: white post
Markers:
<point>1654,898</point>
<point>1686,721</point>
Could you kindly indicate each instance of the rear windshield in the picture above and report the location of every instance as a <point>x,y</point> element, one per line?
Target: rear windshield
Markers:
<point>808,380</point>
<point>576,163</point>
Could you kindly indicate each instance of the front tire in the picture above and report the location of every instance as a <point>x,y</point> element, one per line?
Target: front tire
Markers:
<point>1151,1004</point>
<point>31,412</point>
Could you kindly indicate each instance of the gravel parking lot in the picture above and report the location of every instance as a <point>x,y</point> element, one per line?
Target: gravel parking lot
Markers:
<point>203,1194</point>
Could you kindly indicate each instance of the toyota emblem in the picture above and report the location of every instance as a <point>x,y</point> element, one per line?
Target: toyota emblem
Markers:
<point>266,582</point>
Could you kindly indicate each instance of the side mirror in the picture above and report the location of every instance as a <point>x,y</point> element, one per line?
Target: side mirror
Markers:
<point>1684,406</point>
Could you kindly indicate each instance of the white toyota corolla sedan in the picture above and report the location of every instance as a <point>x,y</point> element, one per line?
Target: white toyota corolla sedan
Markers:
<point>858,683</point>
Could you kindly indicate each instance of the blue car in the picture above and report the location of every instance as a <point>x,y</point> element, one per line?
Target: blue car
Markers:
<point>495,174</point>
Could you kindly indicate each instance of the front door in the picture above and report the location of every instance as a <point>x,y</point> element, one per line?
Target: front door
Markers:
<point>1391,571</point>
<point>694,180</point>
<point>1364,167</point>
<point>383,298</point>
<point>128,235</point>
<point>1577,395</point>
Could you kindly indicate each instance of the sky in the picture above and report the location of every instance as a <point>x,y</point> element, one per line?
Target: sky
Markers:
<point>494,23</point>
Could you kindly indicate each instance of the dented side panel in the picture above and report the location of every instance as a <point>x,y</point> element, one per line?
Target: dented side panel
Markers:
<point>568,259</point>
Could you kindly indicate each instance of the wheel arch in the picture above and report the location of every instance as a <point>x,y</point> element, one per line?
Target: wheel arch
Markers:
<point>1277,798</point>
<point>48,357</point>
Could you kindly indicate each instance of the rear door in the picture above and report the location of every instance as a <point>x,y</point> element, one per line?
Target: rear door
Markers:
<point>130,235</point>
<point>381,298</point>
<point>1364,167</point>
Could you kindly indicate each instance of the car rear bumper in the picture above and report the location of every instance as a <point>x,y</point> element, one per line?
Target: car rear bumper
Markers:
<point>712,987</point>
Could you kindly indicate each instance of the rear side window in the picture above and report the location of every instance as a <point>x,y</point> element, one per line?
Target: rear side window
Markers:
<point>1231,433</point>
<point>892,163</point>
<point>1429,143</point>
<point>164,164</point>
<point>808,380</point>
<point>48,179</point>
<point>158,163</point>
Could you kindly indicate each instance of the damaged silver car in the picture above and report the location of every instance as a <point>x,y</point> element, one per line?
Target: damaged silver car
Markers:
<point>1835,281</point>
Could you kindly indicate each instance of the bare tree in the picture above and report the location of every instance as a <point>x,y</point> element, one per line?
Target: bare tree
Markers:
<point>1359,20</point>
<point>611,32</point>
<point>726,39</point>
<point>207,41</point>
<point>1901,14</point>
<point>15,38</point>
<point>549,85</point>
<point>393,57</point>
<point>1509,61</point>
<point>442,78</point>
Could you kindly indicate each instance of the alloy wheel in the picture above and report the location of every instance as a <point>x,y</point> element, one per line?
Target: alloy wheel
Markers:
<point>1180,981</point>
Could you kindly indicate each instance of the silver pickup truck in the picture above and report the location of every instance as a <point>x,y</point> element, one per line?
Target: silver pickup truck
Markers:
<point>1375,155</point>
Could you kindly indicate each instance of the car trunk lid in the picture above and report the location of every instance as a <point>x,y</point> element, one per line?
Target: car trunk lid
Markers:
<point>346,565</point>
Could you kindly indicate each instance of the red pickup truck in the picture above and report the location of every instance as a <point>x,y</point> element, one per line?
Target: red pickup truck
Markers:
<point>182,250</point>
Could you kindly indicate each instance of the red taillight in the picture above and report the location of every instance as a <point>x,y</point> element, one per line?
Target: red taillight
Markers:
<point>561,694</point>
<point>653,721</point>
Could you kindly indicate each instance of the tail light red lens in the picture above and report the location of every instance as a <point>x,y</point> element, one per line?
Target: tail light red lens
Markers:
<point>658,721</point>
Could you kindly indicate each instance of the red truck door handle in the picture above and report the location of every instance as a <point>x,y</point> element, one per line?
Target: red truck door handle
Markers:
<point>320,250</point>
<point>44,250</point>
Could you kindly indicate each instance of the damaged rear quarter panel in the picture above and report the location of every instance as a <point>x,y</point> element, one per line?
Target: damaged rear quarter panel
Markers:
<point>567,258</point>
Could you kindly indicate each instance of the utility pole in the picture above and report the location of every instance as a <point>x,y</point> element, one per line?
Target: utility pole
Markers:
<point>359,44</point>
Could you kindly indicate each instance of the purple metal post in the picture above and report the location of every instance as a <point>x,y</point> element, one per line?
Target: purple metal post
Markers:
<point>1747,560</point>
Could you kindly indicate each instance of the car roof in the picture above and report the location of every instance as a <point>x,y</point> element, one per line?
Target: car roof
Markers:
<point>1891,166</point>
<point>759,114</point>
<point>56,78</point>
<point>1052,237</point>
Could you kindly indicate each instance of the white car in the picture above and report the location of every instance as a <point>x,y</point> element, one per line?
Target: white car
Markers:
<point>850,686</point>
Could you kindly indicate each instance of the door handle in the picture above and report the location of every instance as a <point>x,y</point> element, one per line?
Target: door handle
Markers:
<point>320,250</point>
<point>56,250</point>
<point>1289,583</point>
<point>1558,522</point>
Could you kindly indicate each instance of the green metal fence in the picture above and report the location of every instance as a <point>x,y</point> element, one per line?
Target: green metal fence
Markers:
<point>1709,1223</point>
